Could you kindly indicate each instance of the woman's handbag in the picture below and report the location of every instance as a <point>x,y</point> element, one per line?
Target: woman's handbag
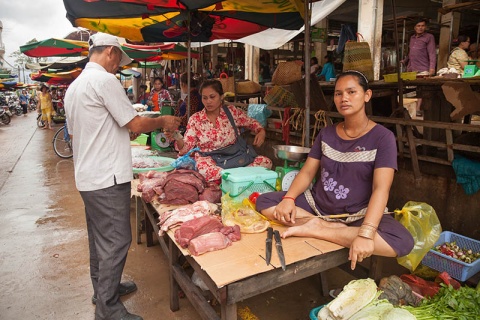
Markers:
<point>357,57</point>
<point>236,155</point>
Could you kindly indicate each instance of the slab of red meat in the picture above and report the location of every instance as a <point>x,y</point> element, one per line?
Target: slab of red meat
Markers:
<point>196,227</point>
<point>148,184</point>
<point>233,233</point>
<point>177,192</point>
<point>208,242</point>
<point>188,177</point>
<point>175,217</point>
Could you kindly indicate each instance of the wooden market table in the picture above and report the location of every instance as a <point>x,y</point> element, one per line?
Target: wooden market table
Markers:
<point>239,271</point>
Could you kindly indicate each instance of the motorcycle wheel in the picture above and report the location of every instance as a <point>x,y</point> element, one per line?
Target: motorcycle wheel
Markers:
<point>40,122</point>
<point>5,118</point>
<point>18,111</point>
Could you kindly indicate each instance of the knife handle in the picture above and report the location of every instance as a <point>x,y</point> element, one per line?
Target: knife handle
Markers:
<point>276,235</point>
<point>269,233</point>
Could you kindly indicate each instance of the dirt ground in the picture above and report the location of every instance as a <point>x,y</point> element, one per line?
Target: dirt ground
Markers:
<point>44,249</point>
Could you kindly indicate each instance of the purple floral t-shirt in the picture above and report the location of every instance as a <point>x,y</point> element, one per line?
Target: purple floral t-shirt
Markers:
<point>347,168</point>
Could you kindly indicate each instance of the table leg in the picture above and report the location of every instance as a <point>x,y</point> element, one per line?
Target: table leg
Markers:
<point>148,229</point>
<point>138,219</point>
<point>229,311</point>
<point>173,253</point>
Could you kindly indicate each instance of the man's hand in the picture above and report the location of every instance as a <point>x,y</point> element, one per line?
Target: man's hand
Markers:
<point>170,123</point>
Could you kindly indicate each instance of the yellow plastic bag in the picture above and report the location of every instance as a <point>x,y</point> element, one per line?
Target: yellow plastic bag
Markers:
<point>243,215</point>
<point>421,220</point>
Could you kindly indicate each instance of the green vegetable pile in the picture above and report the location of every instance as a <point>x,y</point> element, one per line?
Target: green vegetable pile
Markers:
<point>448,303</point>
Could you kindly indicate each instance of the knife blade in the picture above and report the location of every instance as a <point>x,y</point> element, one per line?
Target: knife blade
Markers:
<point>268,245</point>
<point>278,245</point>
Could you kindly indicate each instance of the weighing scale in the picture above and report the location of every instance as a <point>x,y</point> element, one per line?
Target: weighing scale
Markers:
<point>160,142</point>
<point>294,158</point>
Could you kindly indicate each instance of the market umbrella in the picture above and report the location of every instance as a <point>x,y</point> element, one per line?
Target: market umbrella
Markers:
<point>71,48</point>
<point>171,51</point>
<point>56,77</point>
<point>184,20</point>
<point>54,47</point>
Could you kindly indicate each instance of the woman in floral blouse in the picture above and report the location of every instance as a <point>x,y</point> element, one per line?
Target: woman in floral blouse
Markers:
<point>158,95</point>
<point>210,129</point>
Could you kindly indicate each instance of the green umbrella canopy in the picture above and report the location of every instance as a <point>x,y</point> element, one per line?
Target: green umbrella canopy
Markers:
<point>55,48</point>
<point>70,48</point>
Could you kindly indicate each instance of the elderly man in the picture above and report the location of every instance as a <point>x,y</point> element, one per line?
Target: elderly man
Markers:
<point>100,117</point>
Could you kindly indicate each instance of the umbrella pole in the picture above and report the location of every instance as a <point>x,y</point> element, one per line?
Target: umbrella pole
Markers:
<point>189,61</point>
<point>307,54</point>
<point>400,81</point>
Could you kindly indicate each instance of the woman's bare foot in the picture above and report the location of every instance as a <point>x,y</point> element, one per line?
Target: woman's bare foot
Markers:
<point>311,228</point>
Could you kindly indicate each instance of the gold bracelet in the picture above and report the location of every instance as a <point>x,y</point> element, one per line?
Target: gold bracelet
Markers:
<point>370,225</point>
<point>366,233</point>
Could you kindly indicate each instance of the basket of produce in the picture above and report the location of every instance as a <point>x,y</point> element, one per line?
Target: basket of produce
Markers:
<point>458,255</point>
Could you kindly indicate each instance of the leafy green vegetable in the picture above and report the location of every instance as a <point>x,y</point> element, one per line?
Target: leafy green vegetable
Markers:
<point>448,303</point>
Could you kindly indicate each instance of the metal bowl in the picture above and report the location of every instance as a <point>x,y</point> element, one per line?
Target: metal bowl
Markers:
<point>291,153</point>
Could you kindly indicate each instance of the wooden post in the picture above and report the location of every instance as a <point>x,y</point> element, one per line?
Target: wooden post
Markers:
<point>372,11</point>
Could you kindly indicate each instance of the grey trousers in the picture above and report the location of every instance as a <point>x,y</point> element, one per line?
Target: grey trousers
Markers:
<point>109,237</point>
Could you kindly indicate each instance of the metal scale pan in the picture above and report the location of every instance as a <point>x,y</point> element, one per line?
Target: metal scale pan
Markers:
<point>294,154</point>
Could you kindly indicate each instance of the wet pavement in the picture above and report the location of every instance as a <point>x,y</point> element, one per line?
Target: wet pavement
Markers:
<point>44,248</point>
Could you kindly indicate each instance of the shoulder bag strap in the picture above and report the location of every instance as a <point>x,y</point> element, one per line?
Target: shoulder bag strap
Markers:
<point>232,122</point>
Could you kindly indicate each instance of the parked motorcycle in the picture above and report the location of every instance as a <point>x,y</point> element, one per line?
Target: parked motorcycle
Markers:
<point>32,104</point>
<point>14,106</point>
<point>4,117</point>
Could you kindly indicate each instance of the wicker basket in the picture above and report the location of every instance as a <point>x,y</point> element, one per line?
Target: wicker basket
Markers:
<point>248,87</point>
<point>287,72</point>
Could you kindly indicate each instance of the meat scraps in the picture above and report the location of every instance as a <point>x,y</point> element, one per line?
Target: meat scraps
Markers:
<point>208,242</point>
<point>212,193</point>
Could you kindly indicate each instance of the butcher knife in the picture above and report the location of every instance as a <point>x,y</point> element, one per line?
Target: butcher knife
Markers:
<point>268,245</point>
<point>278,244</point>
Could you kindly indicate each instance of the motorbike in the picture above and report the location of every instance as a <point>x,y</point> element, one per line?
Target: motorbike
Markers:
<point>14,106</point>
<point>4,117</point>
<point>32,103</point>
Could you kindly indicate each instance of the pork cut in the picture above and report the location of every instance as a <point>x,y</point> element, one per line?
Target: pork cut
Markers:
<point>232,232</point>
<point>208,242</point>
<point>182,187</point>
<point>175,217</point>
<point>212,193</point>
<point>196,227</point>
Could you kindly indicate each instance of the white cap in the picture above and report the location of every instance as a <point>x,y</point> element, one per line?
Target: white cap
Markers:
<point>104,39</point>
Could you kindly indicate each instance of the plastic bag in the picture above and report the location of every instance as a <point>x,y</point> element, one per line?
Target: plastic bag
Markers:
<point>421,220</point>
<point>259,112</point>
<point>186,161</point>
<point>242,214</point>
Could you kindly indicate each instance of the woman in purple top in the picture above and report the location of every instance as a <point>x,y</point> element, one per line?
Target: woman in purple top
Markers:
<point>357,159</point>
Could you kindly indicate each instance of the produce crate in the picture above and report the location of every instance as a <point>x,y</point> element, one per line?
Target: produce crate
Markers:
<point>393,77</point>
<point>314,312</point>
<point>239,183</point>
<point>455,268</point>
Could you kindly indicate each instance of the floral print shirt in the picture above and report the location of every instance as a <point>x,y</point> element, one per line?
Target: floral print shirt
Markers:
<point>211,136</point>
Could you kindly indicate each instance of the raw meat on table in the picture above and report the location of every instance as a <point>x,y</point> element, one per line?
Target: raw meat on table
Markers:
<point>196,227</point>
<point>208,242</point>
<point>175,217</point>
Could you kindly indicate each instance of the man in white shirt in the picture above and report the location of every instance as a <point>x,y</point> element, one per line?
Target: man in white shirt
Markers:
<point>101,120</point>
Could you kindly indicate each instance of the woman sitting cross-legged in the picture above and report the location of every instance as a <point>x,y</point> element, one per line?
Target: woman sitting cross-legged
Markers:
<point>357,159</point>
